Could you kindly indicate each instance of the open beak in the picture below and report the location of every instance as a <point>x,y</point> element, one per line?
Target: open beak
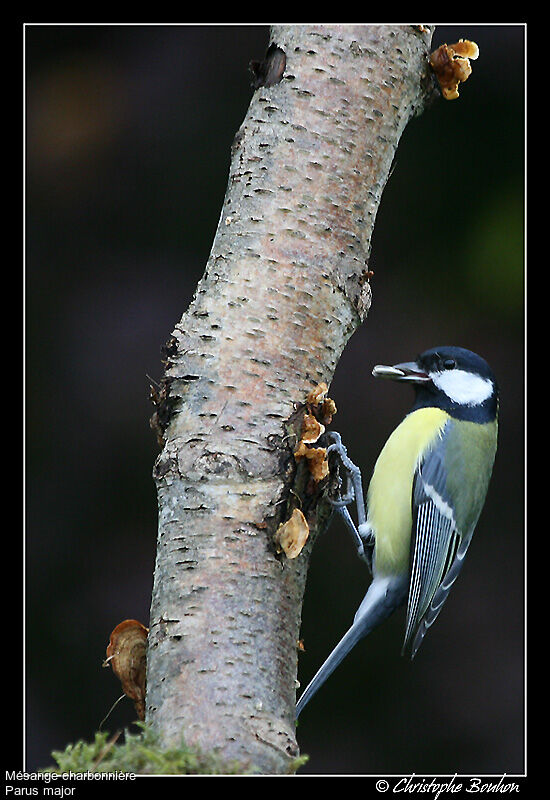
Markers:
<point>408,371</point>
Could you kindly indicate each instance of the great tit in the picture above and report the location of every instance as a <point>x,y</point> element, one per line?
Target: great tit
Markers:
<point>425,496</point>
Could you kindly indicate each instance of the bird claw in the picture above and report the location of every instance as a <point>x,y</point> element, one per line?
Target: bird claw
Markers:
<point>353,492</point>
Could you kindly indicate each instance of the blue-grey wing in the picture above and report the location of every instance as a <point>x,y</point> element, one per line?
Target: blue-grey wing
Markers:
<point>438,546</point>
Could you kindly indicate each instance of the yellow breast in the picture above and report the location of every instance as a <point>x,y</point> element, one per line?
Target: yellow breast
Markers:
<point>389,498</point>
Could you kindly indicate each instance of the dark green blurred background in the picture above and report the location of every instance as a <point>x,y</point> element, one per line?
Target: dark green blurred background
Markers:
<point>128,137</point>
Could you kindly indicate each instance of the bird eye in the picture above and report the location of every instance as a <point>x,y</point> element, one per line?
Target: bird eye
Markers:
<point>449,363</point>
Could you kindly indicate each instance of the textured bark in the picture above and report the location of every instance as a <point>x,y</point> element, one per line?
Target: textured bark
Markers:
<point>285,286</point>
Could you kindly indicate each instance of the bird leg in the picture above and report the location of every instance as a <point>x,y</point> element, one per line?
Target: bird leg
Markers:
<point>353,490</point>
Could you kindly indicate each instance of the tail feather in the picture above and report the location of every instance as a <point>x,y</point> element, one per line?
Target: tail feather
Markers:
<point>382,598</point>
<point>346,643</point>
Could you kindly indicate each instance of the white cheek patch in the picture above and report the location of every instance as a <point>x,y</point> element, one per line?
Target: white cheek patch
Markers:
<point>463,387</point>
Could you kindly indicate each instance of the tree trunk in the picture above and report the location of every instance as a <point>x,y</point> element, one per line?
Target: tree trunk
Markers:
<point>285,286</point>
